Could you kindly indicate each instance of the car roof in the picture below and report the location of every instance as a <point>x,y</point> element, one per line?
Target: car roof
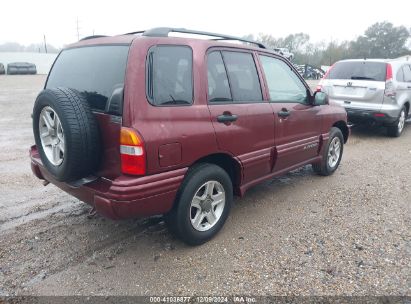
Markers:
<point>395,63</point>
<point>366,60</point>
<point>128,39</point>
<point>159,34</point>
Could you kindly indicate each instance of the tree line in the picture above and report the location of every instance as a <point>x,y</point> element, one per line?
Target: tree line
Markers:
<point>35,47</point>
<point>380,40</point>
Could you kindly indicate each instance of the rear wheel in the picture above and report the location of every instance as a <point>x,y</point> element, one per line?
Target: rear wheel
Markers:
<point>396,129</point>
<point>332,154</point>
<point>202,205</point>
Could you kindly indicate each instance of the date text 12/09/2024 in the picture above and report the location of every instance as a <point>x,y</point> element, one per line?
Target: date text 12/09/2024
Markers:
<point>203,299</point>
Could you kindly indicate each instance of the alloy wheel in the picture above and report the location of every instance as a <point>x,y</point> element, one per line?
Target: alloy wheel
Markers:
<point>207,206</point>
<point>51,136</point>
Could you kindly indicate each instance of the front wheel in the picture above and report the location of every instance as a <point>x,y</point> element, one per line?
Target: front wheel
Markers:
<point>202,205</point>
<point>396,129</point>
<point>332,154</point>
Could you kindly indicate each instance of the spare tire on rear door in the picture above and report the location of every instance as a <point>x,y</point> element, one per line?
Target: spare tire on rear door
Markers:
<point>66,134</point>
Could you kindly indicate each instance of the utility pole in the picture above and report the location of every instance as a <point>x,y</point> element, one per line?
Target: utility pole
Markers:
<point>78,30</point>
<point>45,44</point>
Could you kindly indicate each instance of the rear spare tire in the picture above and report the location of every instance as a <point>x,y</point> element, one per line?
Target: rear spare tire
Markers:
<point>66,134</point>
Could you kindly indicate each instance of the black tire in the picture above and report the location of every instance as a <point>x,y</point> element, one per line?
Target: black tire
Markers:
<point>179,218</point>
<point>394,130</point>
<point>81,133</point>
<point>323,168</point>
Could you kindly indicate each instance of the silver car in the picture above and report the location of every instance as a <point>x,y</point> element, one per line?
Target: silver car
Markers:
<point>285,53</point>
<point>371,90</point>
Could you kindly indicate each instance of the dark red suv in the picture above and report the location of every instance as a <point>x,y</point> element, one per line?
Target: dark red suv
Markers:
<point>144,124</point>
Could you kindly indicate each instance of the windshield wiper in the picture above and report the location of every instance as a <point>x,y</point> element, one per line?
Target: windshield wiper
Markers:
<point>362,78</point>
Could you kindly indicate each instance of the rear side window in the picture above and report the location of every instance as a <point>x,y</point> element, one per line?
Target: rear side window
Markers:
<point>95,71</point>
<point>243,77</point>
<point>359,70</point>
<point>218,87</point>
<point>170,75</point>
<point>407,73</point>
<point>400,75</point>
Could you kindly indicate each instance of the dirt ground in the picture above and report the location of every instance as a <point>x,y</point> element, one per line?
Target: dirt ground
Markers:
<point>301,234</point>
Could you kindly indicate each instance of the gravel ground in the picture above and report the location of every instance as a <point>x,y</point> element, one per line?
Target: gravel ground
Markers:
<point>301,234</point>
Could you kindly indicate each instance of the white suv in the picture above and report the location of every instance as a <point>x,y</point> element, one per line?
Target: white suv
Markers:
<point>371,90</point>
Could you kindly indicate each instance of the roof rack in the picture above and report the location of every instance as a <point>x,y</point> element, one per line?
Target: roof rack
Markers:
<point>165,31</point>
<point>92,37</point>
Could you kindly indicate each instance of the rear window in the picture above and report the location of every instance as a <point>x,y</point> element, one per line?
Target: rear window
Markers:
<point>359,70</point>
<point>95,71</point>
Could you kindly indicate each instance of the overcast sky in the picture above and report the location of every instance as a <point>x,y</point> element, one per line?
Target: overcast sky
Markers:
<point>26,21</point>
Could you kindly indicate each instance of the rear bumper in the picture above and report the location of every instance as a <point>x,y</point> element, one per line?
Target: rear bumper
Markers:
<point>366,116</point>
<point>124,196</point>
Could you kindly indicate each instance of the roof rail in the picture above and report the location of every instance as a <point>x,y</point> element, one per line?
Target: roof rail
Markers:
<point>92,37</point>
<point>165,31</point>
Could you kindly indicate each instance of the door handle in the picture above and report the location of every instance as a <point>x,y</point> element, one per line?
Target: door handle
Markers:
<point>284,113</point>
<point>227,118</point>
<point>409,87</point>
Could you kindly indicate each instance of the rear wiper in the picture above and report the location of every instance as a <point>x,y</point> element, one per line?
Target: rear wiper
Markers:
<point>362,78</point>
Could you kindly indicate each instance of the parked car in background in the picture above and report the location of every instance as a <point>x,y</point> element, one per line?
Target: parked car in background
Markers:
<point>21,68</point>
<point>2,70</point>
<point>309,72</point>
<point>371,90</point>
<point>144,124</point>
<point>285,52</point>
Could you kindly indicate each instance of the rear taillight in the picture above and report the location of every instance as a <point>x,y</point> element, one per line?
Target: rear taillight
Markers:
<point>389,87</point>
<point>320,84</point>
<point>389,72</point>
<point>133,156</point>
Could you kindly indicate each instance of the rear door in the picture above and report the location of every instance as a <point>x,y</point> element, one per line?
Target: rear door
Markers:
<point>297,123</point>
<point>407,80</point>
<point>243,121</point>
<point>357,84</point>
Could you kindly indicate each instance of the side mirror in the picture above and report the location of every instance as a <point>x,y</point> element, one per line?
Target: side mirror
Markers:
<point>320,98</point>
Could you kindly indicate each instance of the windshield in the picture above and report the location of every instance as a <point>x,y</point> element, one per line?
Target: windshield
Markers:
<point>359,70</point>
<point>95,71</point>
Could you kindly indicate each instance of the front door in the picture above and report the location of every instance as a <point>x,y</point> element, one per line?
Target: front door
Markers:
<point>297,123</point>
<point>242,120</point>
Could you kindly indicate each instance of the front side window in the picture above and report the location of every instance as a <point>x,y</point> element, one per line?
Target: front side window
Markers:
<point>283,84</point>
<point>170,75</point>
<point>243,77</point>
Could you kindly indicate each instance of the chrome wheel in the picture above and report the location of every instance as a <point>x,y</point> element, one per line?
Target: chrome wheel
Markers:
<point>51,136</point>
<point>401,121</point>
<point>334,152</point>
<point>207,206</point>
